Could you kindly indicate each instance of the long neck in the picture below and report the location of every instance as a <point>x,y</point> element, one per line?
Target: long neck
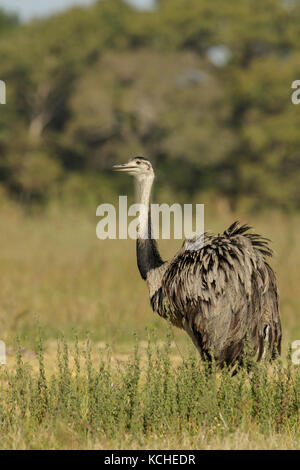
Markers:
<point>147,253</point>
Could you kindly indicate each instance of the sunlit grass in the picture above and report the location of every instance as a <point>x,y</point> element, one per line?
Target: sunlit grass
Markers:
<point>92,400</point>
<point>54,268</point>
<point>57,278</point>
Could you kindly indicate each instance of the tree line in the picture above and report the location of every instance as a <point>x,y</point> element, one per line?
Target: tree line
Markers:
<point>202,88</point>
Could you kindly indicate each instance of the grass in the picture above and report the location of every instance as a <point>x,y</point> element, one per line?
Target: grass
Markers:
<point>114,391</point>
<point>145,401</point>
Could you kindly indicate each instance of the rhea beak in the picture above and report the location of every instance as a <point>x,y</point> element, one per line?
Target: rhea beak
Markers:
<point>123,168</point>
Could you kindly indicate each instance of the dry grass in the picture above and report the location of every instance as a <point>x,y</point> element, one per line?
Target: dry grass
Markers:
<point>55,271</point>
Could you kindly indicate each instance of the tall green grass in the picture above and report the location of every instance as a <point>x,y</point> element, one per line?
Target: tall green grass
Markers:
<point>143,398</point>
<point>54,269</point>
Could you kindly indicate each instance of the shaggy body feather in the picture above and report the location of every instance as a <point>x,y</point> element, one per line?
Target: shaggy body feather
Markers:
<point>224,291</point>
<point>219,289</point>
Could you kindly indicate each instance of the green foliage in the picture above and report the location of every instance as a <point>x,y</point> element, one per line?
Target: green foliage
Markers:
<point>157,398</point>
<point>7,22</point>
<point>78,394</point>
<point>92,86</point>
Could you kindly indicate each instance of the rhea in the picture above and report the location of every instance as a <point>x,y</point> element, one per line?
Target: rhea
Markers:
<point>222,292</point>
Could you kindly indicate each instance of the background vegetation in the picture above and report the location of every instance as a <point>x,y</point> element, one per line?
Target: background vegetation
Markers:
<point>205,93</point>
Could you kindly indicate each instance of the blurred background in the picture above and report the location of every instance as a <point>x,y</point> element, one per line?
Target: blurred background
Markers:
<point>201,88</point>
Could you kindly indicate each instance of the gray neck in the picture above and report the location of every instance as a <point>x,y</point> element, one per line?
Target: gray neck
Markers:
<point>147,253</point>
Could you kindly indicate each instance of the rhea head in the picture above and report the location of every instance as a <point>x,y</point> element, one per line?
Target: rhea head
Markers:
<point>143,173</point>
<point>139,167</point>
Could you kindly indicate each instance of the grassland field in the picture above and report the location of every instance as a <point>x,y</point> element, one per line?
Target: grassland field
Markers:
<point>59,282</point>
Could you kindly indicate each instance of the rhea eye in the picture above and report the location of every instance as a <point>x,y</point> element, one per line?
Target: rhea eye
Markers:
<point>138,163</point>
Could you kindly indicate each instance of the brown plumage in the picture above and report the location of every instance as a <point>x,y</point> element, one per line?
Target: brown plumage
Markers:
<point>223,292</point>
<point>220,291</point>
